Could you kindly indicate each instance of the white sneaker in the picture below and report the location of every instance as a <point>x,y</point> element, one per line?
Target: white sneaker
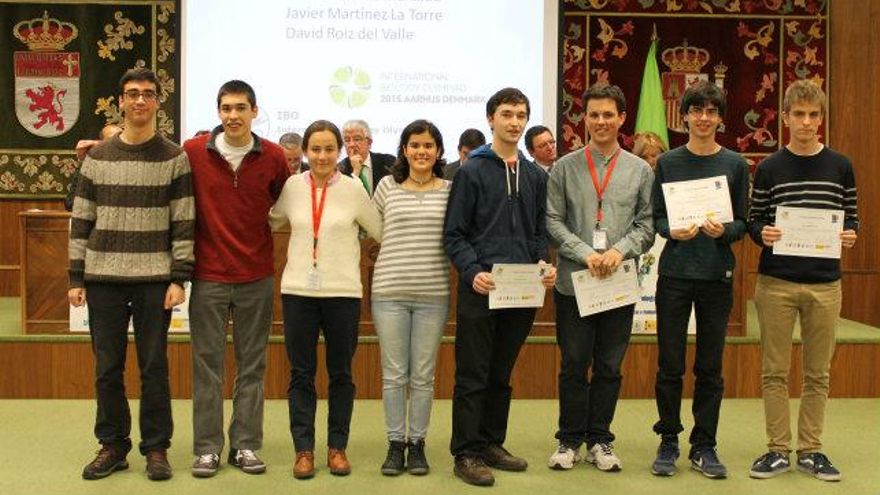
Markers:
<point>565,457</point>
<point>602,455</point>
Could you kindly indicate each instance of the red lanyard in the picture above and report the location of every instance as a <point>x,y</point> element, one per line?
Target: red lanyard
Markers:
<point>317,214</point>
<point>595,176</point>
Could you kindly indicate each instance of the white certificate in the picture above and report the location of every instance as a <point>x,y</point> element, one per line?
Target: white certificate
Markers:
<point>517,286</point>
<point>808,232</point>
<point>693,201</point>
<point>595,295</point>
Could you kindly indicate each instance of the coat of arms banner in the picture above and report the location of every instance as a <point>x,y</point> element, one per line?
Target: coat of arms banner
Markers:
<point>753,49</point>
<point>62,61</point>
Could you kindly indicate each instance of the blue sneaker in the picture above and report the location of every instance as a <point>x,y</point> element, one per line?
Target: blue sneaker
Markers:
<point>667,454</point>
<point>818,465</point>
<point>705,460</point>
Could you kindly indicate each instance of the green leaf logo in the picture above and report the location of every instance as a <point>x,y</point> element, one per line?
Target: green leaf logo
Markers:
<point>350,87</point>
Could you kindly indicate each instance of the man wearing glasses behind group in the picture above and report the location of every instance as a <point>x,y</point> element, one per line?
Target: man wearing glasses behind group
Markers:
<point>541,144</point>
<point>696,269</point>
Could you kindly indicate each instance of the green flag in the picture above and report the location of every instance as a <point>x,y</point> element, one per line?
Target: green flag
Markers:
<point>651,115</point>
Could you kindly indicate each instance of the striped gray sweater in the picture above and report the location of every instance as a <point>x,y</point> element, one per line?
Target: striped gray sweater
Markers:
<point>412,264</point>
<point>133,215</point>
<point>825,180</point>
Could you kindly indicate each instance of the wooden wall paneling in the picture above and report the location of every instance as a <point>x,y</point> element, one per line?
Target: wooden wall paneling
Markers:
<point>43,272</point>
<point>854,115</point>
<point>9,242</point>
<point>639,371</point>
<point>73,370</point>
<point>66,370</point>
<point>27,373</point>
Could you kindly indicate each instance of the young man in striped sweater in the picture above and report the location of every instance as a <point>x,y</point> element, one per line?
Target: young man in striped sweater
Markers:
<point>131,252</point>
<point>804,174</point>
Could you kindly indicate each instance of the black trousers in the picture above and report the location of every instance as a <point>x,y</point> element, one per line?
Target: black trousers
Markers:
<point>487,343</point>
<point>586,407</point>
<point>304,318</point>
<point>712,301</point>
<point>110,308</point>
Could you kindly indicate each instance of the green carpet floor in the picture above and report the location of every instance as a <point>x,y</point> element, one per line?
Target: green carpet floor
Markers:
<point>45,444</point>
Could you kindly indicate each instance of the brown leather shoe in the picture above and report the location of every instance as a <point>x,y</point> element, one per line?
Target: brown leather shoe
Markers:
<point>337,462</point>
<point>158,468</point>
<point>498,457</point>
<point>304,465</point>
<point>473,470</point>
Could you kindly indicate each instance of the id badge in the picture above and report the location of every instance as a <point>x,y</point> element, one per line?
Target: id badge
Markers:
<point>313,279</point>
<point>600,239</point>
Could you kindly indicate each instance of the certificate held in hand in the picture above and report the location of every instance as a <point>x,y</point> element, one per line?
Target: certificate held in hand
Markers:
<point>809,232</point>
<point>517,285</point>
<point>595,295</point>
<point>693,201</point>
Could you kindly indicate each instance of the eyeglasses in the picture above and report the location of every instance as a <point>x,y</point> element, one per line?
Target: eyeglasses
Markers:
<point>355,139</point>
<point>547,144</point>
<point>700,111</point>
<point>135,95</point>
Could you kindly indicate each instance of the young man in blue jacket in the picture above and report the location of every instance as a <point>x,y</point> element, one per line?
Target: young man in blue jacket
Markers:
<point>496,214</point>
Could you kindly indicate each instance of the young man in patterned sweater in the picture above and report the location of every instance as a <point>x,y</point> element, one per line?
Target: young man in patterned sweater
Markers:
<point>131,252</point>
<point>805,174</point>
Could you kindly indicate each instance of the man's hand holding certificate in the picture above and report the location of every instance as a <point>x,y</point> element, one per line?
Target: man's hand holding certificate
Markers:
<point>809,232</point>
<point>519,285</point>
<point>692,202</point>
<point>595,295</point>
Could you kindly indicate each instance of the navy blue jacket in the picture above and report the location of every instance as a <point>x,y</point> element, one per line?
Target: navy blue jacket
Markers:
<point>485,224</point>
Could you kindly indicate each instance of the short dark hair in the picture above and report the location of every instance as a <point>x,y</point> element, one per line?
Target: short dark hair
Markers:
<point>532,133</point>
<point>605,91</point>
<point>510,96</point>
<point>318,126</point>
<point>701,93</point>
<point>400,169</point>
<point>139,74</point>
<point>471,139</point>
<point>237,87</point>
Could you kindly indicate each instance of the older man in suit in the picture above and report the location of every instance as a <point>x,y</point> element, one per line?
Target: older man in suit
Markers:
<point>361,162</point>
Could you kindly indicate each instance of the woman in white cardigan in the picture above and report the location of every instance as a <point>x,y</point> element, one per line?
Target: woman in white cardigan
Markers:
<point>321,291</point>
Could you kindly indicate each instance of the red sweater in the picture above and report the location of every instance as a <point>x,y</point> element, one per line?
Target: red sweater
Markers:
<point>233,241</point>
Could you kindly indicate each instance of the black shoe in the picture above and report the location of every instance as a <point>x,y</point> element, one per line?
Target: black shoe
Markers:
<point>667,454</point>
<point>394,461</point>
<point>473,470</point>
<point>706,461</point>
<point>109,459</point>
<point>770,465</point>
<point>818,465</point>
<point>498,457</point>
<point>158,468</point>
<point>416,462</point>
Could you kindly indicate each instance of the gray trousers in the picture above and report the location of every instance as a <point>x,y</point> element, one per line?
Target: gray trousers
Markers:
<point>210,307</point>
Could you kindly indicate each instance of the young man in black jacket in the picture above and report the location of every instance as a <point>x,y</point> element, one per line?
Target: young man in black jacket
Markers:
<point>496,214</point>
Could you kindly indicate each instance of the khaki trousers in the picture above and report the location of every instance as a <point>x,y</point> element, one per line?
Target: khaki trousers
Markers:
<point>779,303</point>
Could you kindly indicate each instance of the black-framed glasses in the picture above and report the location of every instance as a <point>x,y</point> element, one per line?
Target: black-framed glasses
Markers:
<point>700,111</point>
<point>135,95</point>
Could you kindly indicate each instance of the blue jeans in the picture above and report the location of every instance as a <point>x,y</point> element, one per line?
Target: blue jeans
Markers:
<point>409,336</point>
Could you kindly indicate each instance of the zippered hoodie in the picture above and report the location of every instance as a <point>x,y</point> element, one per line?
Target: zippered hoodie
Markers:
<point>493,216</point>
